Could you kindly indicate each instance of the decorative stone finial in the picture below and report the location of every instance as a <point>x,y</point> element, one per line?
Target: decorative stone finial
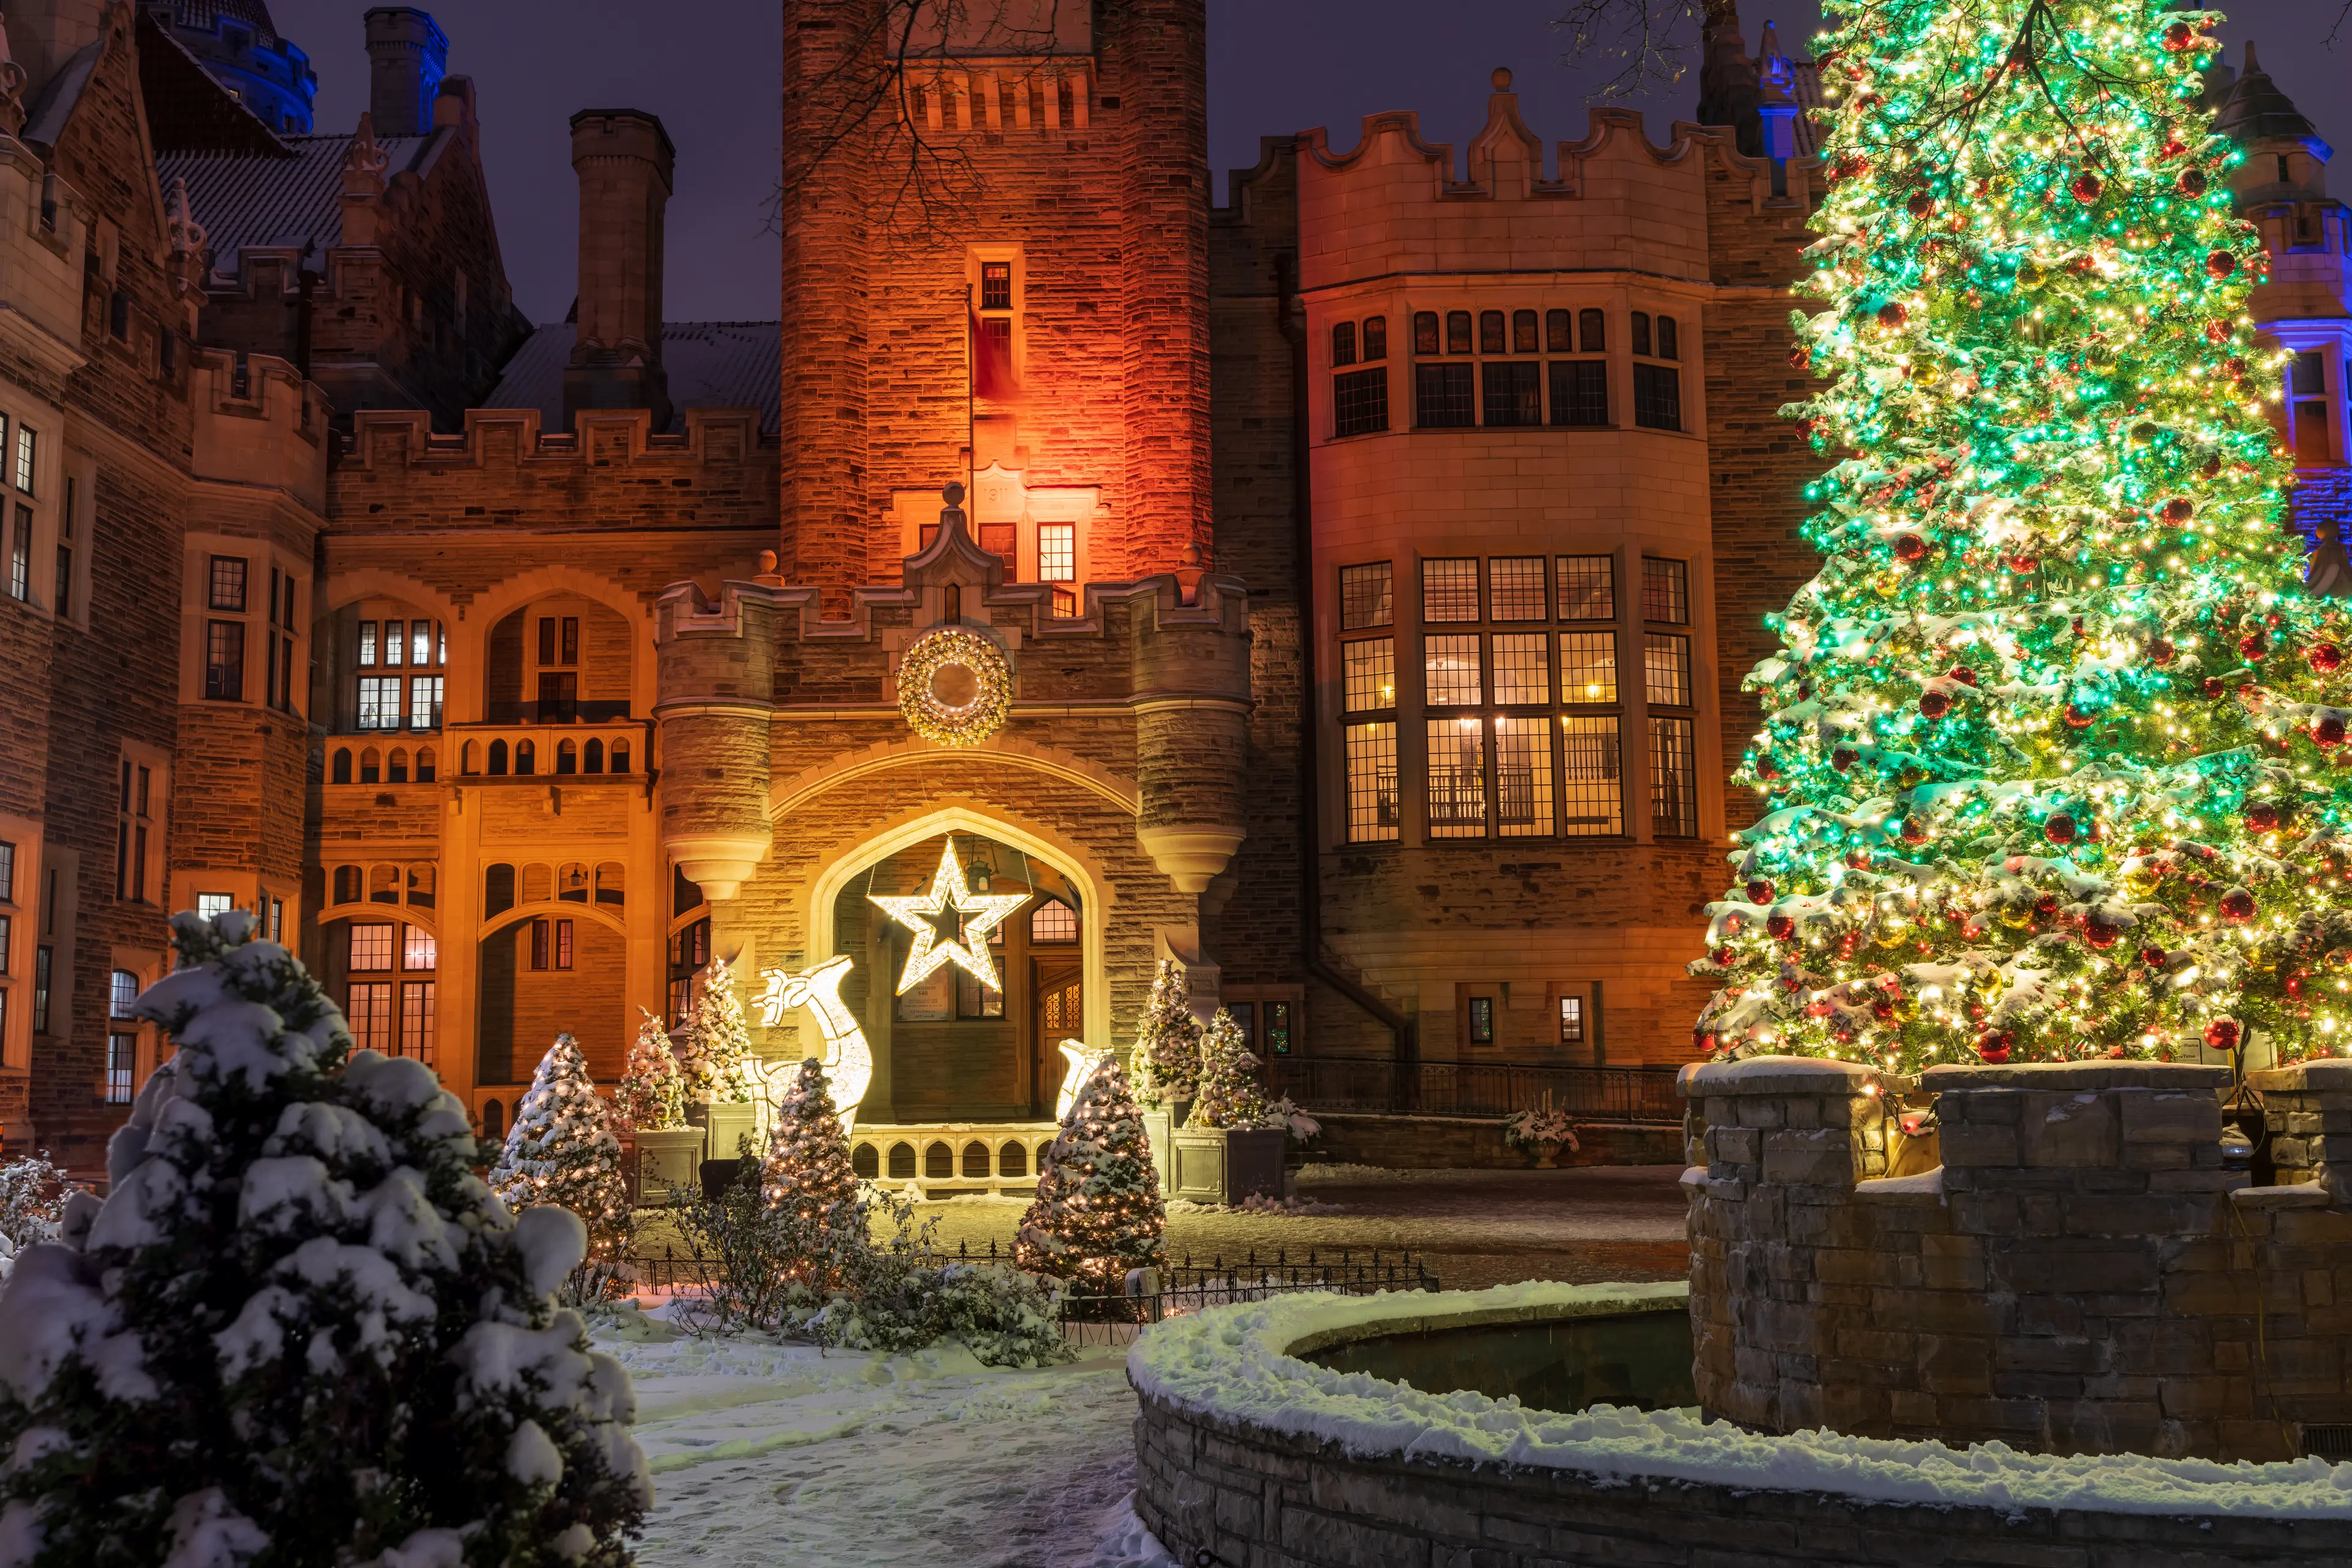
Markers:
<point>364,164</point>
<point>953,493</point>
<point>187,238</point>
<point>1501,78</point>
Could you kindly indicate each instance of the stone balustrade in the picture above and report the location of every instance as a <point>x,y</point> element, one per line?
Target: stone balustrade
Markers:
<point>2081,1274</point>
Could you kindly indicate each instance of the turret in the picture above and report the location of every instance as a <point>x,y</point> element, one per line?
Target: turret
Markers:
<point>624,163</point>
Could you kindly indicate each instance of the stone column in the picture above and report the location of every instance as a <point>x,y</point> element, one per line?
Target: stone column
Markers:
<point>717,669</point>
<point>2308,1109</point>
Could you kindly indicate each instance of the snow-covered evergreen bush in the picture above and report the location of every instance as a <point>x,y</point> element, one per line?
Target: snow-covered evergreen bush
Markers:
<point>807,1180</point>
<point>1230,1094</point>
<point>298,1331</point>
<point>1541,1129</point>
<point>652,1092</point>
<point>1168,1041</point>
<point>1098,1212</point>
<point>714,1056</point>
<point>32,1200</point>
<point>561,1150</point>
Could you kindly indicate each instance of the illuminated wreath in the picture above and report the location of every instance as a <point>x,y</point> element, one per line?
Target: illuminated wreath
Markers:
<point>954,687</point>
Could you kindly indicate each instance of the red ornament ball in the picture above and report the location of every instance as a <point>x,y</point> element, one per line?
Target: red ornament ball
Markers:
<point>2160,651</point>
<point>1801,357</point>
<point>1892,315</point>
<point>1843,758</point>
<point>1858,859</point>
<point>2328,732</point>
<point>2326,657</point>
<point>1994,1044</point>
<point>1724,957</point>
<point>2191,182</point>
<point>2253,644</point>
<point>2059,829</point>
<point>2099,933</point>
<point>2177,511</point>
<point>1759,892</point>
<point>1780,927</point>
<point>1934,704</point>
<point>2237,369</point>
<point>2296,984</point>
<point>1910,549</point>
<point>2213,688</point>
<point>2046,905</point>
<point>2086,187</point>
<point>2076,718</point>
<point>2021,563</point>
<point>1963,674</point>
<point>2222,1034</point>
<point>2220,264</point>
<point>1920,204</point>
<point>2178,37</point>
<point>1914,830</point>
<point>2237,906</point>
<point>2263,817</point>
<point>2218,332</point>
<point>2153,957</point>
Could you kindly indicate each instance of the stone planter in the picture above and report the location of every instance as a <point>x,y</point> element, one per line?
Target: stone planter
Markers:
<point>728,1124</point>
<point>1217,1165</point>
<point>666,1162</point>
<point>1159,1130</point>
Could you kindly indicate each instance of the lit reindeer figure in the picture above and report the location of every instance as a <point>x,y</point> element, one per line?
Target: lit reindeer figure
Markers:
<point>1082,1063</point>
<point>848,1062</point>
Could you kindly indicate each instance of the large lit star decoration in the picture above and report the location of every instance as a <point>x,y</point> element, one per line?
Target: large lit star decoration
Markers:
<point>950,902</point>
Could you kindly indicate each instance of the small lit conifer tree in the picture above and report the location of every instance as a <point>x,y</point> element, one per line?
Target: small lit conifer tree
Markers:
<point>652,1093</point>
<point>1168,1041</point>
<point>561,1150</point>
<point>1098,1212</point>
<point>1230,1094</point>
<point>807,1182</point>
<point>716,1054</point>
<point>2052,758</point>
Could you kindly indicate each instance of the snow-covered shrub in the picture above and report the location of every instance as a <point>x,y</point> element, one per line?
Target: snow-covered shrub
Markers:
<point>32,1200</point>
<point>1541,1129</point>
<point>1286,1114</point>
<point>652,1093</point>
<point>1168,1041</point>
<point>742,1250</point>
<point>298,1330</point>
<point>1098,1212</point>
<point>561,1150</point>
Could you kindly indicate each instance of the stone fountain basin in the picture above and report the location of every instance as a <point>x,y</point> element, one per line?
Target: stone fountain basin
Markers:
<point>1266,1436</point>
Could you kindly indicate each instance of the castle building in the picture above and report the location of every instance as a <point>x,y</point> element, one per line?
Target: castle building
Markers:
<point>1345,590</point>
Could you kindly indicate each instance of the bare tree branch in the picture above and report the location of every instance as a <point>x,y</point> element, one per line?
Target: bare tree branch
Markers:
<point>1650,40</point>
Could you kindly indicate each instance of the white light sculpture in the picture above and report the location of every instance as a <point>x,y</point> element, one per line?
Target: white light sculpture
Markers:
<point>974,915</point>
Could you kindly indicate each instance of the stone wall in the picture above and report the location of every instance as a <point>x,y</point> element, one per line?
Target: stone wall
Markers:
<point>1461,1143</point>
<point>1267,1500</point>
<point>2080,1276</point>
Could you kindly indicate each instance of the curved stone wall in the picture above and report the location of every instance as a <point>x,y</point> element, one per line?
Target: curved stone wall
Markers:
<point>1259,1458</point>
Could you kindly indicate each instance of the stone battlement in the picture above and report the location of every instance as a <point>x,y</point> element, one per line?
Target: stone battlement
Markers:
<point>2082,1273</point>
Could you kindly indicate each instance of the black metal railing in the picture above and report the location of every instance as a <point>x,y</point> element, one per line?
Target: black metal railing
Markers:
<point>1172,1290</point>
<point>1383,1085</point>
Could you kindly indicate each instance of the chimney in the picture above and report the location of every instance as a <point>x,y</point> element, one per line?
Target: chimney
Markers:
<point>407,55</point>
<point>624,159</point>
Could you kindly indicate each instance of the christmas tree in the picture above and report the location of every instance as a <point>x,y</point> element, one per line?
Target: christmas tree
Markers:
<point>1098,1212</point>
<point>1168,1041</point>
<point>2052,756</point>
<point>807,1182</point>
<point>652,1094</point>
<point>561,1150</point>
<point>1230,1094</point>
<point>298,1330</point>
<point>717,1051</point>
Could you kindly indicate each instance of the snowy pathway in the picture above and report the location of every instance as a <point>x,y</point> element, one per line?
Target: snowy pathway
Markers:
<point>767,1455</point>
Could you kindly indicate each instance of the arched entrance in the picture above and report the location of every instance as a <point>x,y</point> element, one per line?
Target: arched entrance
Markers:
<point>951,1049</point>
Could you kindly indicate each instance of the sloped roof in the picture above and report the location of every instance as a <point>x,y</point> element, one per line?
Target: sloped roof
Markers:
<point>205,16</point>
<point>2256,111</point>
<point>1805,87</point>
<point>711,364</point>
<point>245,201</point>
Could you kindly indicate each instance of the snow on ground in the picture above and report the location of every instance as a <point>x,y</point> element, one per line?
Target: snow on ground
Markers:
<point>766,1454</point>
<point>1231,1362</point>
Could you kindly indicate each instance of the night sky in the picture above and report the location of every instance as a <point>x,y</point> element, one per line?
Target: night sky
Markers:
<point>708,69</point>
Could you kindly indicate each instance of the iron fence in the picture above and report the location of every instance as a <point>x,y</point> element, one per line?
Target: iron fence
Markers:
<point>1383,1085</point>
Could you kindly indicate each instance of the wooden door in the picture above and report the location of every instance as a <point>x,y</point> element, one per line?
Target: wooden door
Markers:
<point>1058,1013</point>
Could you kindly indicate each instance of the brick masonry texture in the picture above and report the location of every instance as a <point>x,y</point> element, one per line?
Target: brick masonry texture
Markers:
<point>2089,1279</point>
<point>1272,1500</point>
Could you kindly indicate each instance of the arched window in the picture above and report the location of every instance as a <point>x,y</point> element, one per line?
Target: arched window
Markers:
<point>1425,332</point>
<point>572,883</point>
<point>340,772</point>
<point>1343,343</point>
<point>620,756</point>
<point>592,757</point>
<point>939,1162</point>
<point>902,1162</point>
<point>1053,920</point>
<point>526,758</point>
<point>497,758</point>
<point>1559,331</point>
<point>422,877</point>
<point>1376,337</point>
<point>1013,1160</point>
<point>975,1159</point>
<point>494,1120</point>
<point>347,884</point>
<point>1592,330</point>
<point>1457,332</point>
<point>538,887</point>
<point>121,994</point>
<point>425,769</point>
<point>1490,332</point>
<point>371,767</point>
<point>497,890</point>
<point>1667,347</point>
<point>567,757</point>
<point>384,884</point>
<point>610,884</point>
<point>396,767</point>
<point>1523,332</point>
<point>864,1163</point>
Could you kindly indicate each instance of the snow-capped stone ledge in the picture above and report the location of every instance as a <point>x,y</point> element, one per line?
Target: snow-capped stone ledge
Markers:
<point>1258,1455</point>
<point>1780,1075</point>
